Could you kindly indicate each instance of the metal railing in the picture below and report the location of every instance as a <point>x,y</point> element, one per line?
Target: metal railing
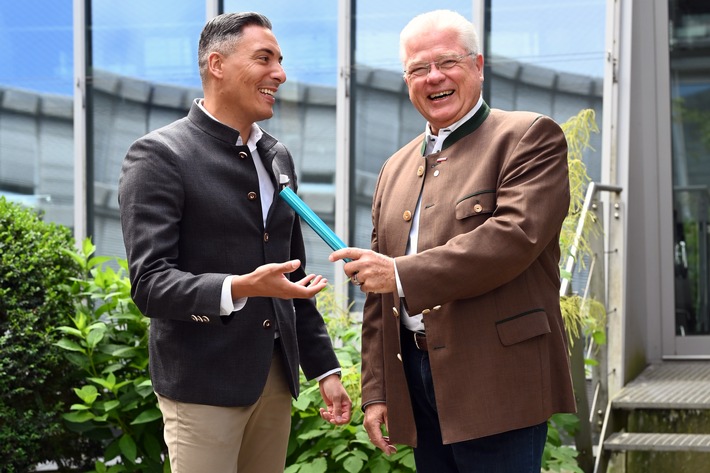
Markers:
<point>594,272</point>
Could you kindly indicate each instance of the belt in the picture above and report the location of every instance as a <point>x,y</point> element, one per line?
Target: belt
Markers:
<point>420,341</point>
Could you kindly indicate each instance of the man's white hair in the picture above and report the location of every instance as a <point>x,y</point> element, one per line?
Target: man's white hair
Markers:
<point>439,20</point>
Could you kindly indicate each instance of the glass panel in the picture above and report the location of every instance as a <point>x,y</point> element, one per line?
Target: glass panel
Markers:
<point>690,94</point>
<point>144,76</point>
<point>304,115</point>
<point>36,108</point>
<point>548,57</point>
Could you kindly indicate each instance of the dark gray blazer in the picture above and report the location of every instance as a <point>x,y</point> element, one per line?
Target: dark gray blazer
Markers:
<point>191,215</point>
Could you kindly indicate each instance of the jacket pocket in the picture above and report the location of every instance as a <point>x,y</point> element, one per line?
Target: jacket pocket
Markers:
<point>522,327</point>
<point>479,203</point>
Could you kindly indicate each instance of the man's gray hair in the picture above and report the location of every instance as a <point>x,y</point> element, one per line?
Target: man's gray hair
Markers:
<point>222,33</point>
<point>439,20</point>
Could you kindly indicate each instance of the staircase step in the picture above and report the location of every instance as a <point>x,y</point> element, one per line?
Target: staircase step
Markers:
<point>623,441</point>
<point>670,385</point>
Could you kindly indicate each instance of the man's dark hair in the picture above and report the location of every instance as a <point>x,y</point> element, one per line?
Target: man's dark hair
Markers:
<point>222,32</point>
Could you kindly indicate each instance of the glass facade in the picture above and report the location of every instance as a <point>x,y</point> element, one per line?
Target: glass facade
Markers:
<point>690,95</point>
<point>143,74</point>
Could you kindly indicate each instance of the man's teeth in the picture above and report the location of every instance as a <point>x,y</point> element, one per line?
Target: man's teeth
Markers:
<point>438,95</point>
<point>267,92</point>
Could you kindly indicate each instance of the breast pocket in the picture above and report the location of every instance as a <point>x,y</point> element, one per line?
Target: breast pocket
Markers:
<point>478,203</point>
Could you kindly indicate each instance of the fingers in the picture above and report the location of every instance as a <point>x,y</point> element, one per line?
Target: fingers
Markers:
<point>289,266</point>
<point>346,253</point>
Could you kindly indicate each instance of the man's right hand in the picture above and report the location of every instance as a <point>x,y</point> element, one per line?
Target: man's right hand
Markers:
<point>375,418</point>
<point>270,280</point>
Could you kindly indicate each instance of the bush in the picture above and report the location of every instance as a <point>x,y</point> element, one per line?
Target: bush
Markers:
<point>35,382</point>
<point>107,342</point>
<point>316,446</point>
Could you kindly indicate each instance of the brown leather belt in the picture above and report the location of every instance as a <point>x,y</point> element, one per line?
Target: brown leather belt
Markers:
<point>420,341</point>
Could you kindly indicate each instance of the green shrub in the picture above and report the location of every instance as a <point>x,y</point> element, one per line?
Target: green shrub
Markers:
<point>107,343</point>
<point>316,446</point>
<point>35,382</point>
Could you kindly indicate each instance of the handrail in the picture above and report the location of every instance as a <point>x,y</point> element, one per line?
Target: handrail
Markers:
<point>592,190</point>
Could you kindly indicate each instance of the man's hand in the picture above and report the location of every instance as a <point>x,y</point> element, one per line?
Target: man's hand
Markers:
<point>336,399</point>
<point>375,418</point>
<point>373,272</point>
<point>270,280</point>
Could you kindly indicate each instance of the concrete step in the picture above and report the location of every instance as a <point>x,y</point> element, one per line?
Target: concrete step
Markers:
<point>624,441</point>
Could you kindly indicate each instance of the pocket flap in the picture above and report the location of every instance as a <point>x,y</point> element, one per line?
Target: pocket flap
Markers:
<point>478,203</point>
<point>522,327</point>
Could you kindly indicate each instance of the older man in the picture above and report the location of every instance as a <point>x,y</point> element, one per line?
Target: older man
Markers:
<point>464,354</point>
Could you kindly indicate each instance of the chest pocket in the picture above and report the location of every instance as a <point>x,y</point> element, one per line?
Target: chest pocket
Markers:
<point>478,203</point>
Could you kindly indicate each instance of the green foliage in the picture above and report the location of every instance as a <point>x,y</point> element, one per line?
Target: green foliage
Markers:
<point>107,342</point>
<point>558,456</point>
<point>35,383</point>
<point>583,318</point>
<point>577,130</point>
<point>316,446</point>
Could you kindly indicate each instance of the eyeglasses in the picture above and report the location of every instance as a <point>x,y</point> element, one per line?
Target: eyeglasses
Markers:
<point>444,63</point>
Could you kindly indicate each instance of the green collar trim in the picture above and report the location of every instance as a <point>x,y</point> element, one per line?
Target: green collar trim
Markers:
<point>465,129</point>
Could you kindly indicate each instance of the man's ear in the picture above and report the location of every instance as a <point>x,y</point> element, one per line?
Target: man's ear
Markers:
<point>214,64</point>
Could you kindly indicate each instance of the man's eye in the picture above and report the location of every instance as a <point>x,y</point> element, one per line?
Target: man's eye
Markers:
<point>447,63</point>
<point>418,70</point>
<point>263,58</point>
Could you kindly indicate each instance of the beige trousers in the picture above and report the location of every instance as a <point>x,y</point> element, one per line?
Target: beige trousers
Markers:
<point>251,439</point>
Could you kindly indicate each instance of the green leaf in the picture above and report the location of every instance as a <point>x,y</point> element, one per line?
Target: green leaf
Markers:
<point>319,465</point>
<point>69,345</point>
<point>111,405</point>
<point>95,336</point>
<point>353,465</point>
<point>107,383</point>
<point>128,447</point>
<point>87,393</point>
<point>78,417</point>
<point>147,416</point>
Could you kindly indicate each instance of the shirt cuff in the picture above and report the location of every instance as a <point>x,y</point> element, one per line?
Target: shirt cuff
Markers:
<point>328,373</point>
<point>227,305</point>
<point>400,291</point>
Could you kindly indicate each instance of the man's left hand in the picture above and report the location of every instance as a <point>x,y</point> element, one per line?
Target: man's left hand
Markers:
<point>336,399</point>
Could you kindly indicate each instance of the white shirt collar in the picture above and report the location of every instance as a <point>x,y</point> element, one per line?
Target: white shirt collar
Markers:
<point>254,136</point>
<point>446,131</point>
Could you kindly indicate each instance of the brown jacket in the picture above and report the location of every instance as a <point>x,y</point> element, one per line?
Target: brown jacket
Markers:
<point>486,277</point>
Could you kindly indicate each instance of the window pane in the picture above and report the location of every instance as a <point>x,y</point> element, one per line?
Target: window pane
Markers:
<point>36,130</point>
<point>144,76</point>
<point>548,57</point>
<point>690,93</point>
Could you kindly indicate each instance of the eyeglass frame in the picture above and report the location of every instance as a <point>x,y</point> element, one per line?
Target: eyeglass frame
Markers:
<point>427,67</point>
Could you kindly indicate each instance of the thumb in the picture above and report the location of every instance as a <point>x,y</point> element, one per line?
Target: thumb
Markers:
<point>290,266</point>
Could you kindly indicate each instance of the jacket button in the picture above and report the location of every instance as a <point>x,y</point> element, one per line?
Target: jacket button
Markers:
<point>243,155</point>
<point>266,324</point>
<point>194,317</point>
<point>478,208</point>
<point>266,237</point>
<point>425,312</point>
<point>407,215</point>
<point>251,195</point>
<point>399,356</point>
<point>395,312</point>
<point>437,307</point>
<point>420,171</point>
